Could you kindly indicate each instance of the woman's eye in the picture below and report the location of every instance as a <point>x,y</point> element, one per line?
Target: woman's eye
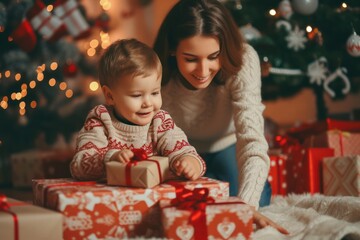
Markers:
<point>156,93</point>
<point>190,59</point>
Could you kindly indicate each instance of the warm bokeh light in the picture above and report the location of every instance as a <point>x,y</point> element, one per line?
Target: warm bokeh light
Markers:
<point>33,104</point>
<point>23,86</point>
<point>4,104</point>
<point>272,12</point>
<point>32,84</point>
<point>7,73</point>
<point>309,29</point>
<point>23,93</point>
<point>40,77</point>
<point>52,82</point>
<point>93,86</point>
<point>22,105</point>
<point>18,96</point>
<point>69,93</point>
<point>53,66</point>
<point>13,96</point>
<point>94,43</point>
<point>5,98</point>
<point>17,76</point>
<point>344,5</point>
<point>91,52</point>
<point>49,8</point>
<point>62,85</point>
<point>22,111</point>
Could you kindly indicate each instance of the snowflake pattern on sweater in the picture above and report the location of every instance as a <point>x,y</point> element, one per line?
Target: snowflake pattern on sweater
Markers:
<point>102,135</point>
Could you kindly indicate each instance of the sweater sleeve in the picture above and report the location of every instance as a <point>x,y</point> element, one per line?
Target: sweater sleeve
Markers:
<point>251,147</point>
<point>172,141</point>
<point>92,147</point>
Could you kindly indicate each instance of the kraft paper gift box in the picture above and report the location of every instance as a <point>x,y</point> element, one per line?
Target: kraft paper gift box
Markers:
<point>99,211</point>
<point>227,218</point>
<point>146,173</point>
<point>304,169</point>
<point>277,174</point>
<point>21,221</point>
<point>341,176</point>
<point>33,164</point>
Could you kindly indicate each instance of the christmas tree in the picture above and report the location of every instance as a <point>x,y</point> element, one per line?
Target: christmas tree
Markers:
<point>303,44</point>
<point>47,82</point>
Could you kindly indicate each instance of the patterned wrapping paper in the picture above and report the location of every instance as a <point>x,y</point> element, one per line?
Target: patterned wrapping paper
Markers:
<point>278,174</point>
<point>341,176</point>
<point>225,219</point>
<point>98,211</point>
<point>36,164</point>
<point>344,143</point>
<point>145,173</point>
<point>304,171</point>
<point>31,221</point>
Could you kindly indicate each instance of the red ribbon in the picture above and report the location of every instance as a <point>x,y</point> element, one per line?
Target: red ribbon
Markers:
<point>5,207</point>
<point>139,155</point>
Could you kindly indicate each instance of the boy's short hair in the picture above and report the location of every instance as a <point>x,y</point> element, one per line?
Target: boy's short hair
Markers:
<point>127,57</point>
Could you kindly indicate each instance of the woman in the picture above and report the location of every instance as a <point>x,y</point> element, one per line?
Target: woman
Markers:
<point>212,88</point>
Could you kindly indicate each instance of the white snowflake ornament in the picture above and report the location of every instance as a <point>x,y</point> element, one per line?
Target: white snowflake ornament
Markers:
<point>296,39</point>
<point>317,71</point>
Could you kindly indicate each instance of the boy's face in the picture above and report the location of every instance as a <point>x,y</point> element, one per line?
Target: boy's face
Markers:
<point>135,99</point>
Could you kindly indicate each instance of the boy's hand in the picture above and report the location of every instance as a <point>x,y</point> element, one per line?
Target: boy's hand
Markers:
<point>122,156</point>
<point>188,167</point>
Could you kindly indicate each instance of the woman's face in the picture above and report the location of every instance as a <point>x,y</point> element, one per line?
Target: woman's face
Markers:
<point>198,60</point>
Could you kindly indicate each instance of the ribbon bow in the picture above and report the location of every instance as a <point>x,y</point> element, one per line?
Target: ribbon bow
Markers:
<point>139,154</point>
<point>4,205</point>
<point>194,201</point>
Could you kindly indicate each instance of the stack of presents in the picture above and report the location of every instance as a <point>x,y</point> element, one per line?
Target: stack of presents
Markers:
<point>322,157</point>
<point>143,199</point>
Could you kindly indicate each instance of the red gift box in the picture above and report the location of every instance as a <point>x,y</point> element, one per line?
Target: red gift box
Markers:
<point>343,143</point>
<point>194,215</point>
<point>341,176</point>
<point>304,170</point>
<point>94,210</point>
<point>277,175</point>
<point>306,130</point>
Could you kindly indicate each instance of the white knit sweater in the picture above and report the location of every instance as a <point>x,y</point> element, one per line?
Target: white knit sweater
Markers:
<point>103,135</point>
<point>218,116</point>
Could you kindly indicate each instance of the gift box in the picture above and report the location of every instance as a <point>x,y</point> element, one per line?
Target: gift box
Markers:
<point>99,211</point>
<point>277,174</point>
<point>198,216</point>
<point>343,143</point>
<point>306,130</point>
<point>146,173</point>
<point>36,164</point>
<point>341,176</point>
<point>20,221</point>
<point>304,170</point>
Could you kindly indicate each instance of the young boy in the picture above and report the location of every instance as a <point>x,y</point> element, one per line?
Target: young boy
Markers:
<point>130,78</point>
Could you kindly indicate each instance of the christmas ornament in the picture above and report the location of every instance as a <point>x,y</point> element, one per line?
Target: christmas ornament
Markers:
<point>353,45</point>
<point>283,24</point>
<point>24,36</point>
<point>317,71</point>
<point>265,68</point>
<point>341,73</point>
<point>70,69</point>
<point>249,32</point>
<point>68,12</point>
<point>305,7</point>
<point>49,26</point>
<point>296,39</point>
<point>285,9</point>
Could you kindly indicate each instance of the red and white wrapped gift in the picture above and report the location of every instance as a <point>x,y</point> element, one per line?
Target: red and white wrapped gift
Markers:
<point>48,25</point>
<point>68,11</point>
<point>341,176</point>
<point>196,215</point>
<point>98,211</point>
<point>277,174</point>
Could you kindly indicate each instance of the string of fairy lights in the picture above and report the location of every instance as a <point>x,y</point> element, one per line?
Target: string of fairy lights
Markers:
<point>91,47</point>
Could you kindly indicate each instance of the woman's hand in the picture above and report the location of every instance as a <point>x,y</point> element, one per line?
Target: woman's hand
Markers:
<point>262,221</point>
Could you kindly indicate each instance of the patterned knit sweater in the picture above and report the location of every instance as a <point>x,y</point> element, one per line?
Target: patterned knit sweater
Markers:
<point>219,116</point>
<point>102,135</point>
